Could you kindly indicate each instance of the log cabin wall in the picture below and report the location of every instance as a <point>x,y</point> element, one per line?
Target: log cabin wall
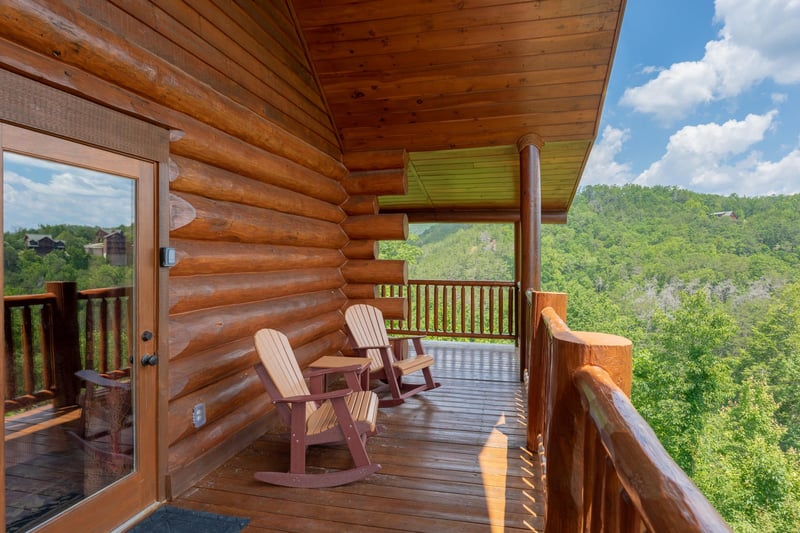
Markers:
<point>373,174</point>
<point>255,194</point>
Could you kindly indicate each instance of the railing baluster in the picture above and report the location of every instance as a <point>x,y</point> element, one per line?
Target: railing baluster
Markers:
<point>103,331</point>
<point>88,335</point>
<point>117,332</point>
<point>11,367</point>
<point>427,307</point>
<point>447,309</point>
<point>436,308</point>
<point>46,344</point>
<point>491,311</point>
<point>28,382</point>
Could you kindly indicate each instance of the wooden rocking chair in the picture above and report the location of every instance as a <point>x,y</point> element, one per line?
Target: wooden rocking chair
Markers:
<point>368,335</point>
<point>328,417</point>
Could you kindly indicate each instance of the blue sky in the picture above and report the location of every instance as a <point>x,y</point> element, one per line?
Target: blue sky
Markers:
<point>38,192</point>
<point>704,95</point>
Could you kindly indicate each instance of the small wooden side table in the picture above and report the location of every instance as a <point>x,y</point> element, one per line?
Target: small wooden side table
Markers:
<point>357,381</point>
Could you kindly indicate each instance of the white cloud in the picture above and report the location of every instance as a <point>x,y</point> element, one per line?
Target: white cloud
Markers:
<point>40,192</point>
<point>759,39</point>
<point>720,159</point>
<point>602,166</point>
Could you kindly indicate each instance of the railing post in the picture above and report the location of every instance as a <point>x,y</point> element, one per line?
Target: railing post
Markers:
<point>66,347</point>
<point>564,438</point>
<point>537,367</point>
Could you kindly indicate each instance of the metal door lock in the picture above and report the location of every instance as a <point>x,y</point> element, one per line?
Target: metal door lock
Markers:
<point>149,359</point>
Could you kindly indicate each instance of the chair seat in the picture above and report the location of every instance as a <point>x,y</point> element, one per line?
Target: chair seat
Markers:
<point>409,366</point>
<point>363,405</point>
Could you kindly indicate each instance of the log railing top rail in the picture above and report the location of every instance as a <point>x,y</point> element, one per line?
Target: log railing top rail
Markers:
<point>605,465</point>
<point>667,500</point>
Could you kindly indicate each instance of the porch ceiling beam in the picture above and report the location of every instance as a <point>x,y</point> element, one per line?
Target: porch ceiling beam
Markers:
<point>475,215</point>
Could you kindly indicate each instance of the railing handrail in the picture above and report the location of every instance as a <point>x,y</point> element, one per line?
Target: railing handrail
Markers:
<point>456,308</point>
<point>21,300</point>
<point>47,372</point>
<point>662,493</point>
<point>605,465</point>
<point>466,283</point>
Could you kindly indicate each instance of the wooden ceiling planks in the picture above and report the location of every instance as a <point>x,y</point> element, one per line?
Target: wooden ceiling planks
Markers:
<point>457,82</point>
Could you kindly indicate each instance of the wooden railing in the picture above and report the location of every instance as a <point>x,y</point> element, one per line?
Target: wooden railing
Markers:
<point>43,347</point>
<point>462,309</point>
<point>606,469</point>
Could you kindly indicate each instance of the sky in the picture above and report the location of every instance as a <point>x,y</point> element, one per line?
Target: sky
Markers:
<point>704,95</point>
<point>38,192</point>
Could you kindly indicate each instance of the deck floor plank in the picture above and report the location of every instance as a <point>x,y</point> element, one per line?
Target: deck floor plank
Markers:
<point>453,459</point>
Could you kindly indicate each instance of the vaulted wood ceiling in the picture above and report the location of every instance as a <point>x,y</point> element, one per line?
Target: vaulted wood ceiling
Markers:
<point>457,82</point>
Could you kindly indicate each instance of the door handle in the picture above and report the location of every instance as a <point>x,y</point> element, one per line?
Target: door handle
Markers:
<point>149,359</point>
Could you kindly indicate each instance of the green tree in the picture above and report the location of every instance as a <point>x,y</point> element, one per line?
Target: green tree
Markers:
<point>772,352</point>
<point>680,374</point>
<point>741,468</point>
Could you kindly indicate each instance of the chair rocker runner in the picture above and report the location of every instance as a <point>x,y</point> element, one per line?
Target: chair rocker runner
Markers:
<point>328,417</point>
<point>367,332</point>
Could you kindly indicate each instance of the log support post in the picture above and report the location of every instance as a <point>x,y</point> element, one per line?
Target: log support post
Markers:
<point>530,208</point>
<point>539,362</point>
<point>65,342</point>
<point>566,435</point>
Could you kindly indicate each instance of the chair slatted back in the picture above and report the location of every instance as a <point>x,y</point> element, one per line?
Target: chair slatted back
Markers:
<point>368,328</point>
<point>281,365</point>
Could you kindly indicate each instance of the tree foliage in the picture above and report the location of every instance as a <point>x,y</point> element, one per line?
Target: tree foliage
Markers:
<point>712,305</point>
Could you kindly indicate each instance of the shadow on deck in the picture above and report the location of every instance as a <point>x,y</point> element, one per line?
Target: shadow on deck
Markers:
<point>454,459</point>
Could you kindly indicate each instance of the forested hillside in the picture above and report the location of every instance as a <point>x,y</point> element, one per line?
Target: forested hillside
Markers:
<point>712,304</point>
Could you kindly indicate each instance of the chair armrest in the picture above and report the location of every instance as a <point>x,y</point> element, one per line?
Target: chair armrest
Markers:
<point>93,377</point>
<point>376,347</point>
<point>341,393</point>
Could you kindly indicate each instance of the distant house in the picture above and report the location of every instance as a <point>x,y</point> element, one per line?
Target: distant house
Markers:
<point>112,245</point>
<point>725,214</point>
<point>43,244</point>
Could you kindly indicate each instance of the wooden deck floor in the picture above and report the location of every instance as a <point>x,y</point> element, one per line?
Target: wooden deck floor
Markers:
<point>454,459</point>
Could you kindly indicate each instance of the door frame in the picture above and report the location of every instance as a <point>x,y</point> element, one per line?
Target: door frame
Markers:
<point>54,112</point>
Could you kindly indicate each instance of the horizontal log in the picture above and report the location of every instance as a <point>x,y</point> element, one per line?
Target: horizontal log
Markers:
<point>240,354</point>
<point>192,139</point>
<point>377,160</point>
<point>187,175</point>
<point>225,396</point>
<point>360,291</point>
<point>201,330</point>
<point>209,257</point>
<point>377,182</point>
<point>54,29</point>
<point>361,249</point>
<point>361,205</point>
<point>476,215</point>
<point>212,435</point>
<point>331,344</point>
<point>378,272</point>
<point>196,217</point>
<point>377,227</point>
<point>190,293</point>
<point>205,143</point>
<point>215,363</point>
<point>392,308</point>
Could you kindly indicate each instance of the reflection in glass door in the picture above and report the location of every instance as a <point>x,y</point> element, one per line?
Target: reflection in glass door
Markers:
<point>69,285</point>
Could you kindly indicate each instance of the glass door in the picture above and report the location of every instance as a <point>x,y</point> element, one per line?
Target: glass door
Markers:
<point>79,329</point>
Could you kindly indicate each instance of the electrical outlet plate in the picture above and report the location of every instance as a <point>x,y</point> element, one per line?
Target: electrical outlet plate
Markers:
<point>199,415</point>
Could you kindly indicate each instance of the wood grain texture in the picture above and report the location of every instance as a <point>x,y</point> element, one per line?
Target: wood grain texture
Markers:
<point>469,470</point>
